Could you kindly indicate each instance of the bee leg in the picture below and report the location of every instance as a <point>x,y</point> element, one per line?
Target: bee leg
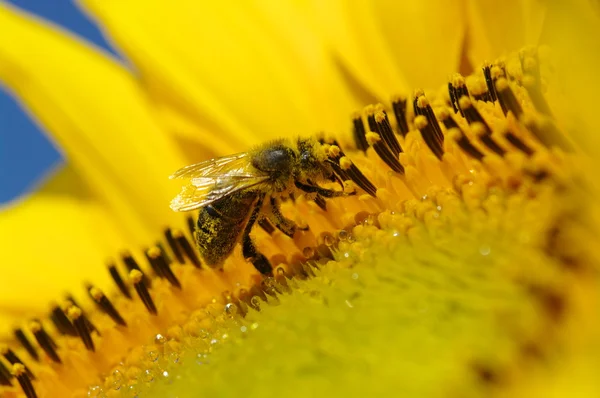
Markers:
<point>259,261</point>
<point>249,250</point>
<point>324,192</point>
<point>282,223</point>
<point>266,225</point>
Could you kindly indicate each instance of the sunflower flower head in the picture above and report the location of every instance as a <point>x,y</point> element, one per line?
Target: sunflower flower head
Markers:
<point>460,262</point>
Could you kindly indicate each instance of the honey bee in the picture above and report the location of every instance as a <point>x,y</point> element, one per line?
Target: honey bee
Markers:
<point>235,192</point>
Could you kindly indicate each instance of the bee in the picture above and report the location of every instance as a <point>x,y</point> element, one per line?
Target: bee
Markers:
<point>235,192</point>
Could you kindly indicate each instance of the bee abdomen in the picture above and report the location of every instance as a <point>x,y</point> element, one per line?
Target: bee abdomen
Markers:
<point>220,226</point>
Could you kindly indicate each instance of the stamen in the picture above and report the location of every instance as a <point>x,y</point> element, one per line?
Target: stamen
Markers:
<point>507,98</point>
<point>490,83</point>
<point>61,321</point>
<point>418,93</point>
<point>551,301</point>
<point>44,340</point>
<point>485,137</point>
<point>157,258</point>
<point>488,141</point>
<point>359,134</point>
<point>425,109</point>
<point>157,271</point>
<point>380,145</point>
<point>399,107</point>
<point>132,264</point>
<point>478,89</point>
<point>357,176</point>
<point>346,169</point>
<point>464,144</point>
<point>428,134</point>
<point>114,273</point>
<point>339,175</point>
<point>320,201</point>
<point>383,151</point>
<point>453,99</point>
<point>20,372</point>
<point>164,252</point>
<point>5,375</point>
<point>137,278</point>
<point>333,151</point>
<point>539,175</point>
<point>547,133</point>
<point>70,302</point>
<point>530,62</point>
<point>105,304</point>
<point>498,73</point>
<point>457,89</point>
<point>447,120</point>
<point>187,248</point>
<point>518,143</point>
<point>486,374</point>
<point>12,358</point>
<point>191,223</point>
<point>537,98</point>
<point>472,114</point>
<point>384,129</point>
<point>79,321</point>
<point>20,335</point>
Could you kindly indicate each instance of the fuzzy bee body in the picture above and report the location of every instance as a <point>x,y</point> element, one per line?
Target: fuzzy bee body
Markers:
<point>220,225</point>
<point>234,192</point>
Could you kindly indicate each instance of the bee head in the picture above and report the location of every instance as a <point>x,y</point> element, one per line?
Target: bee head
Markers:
<point>275,159</point>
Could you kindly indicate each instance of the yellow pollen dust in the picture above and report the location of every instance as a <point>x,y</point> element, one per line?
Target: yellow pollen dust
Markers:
<point>74,313</point>
<point>18,369</point>
<point>135,276</point>
<point>345,163</point>
<point>422,101</point>
<point>373,138</point>
<point>464,102</point>
<point>96,293</point>
<point>420,122</point>
<point>333,151</point>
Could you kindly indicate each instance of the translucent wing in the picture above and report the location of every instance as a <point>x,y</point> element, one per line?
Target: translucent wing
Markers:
<point>206,190</point>
<point>214,179</point>
<point>232,164</point>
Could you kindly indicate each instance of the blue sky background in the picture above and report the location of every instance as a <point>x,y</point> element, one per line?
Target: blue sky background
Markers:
<point>27,154</point>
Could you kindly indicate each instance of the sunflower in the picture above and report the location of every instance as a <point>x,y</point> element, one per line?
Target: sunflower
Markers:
<point>473,253</point>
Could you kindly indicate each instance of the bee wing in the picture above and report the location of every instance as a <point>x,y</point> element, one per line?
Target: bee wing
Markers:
<point>214,179</point>
<point>203,191</point>
<point>232,164</point>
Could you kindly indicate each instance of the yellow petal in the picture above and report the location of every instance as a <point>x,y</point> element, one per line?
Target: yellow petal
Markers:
<point>248,73</point>
<point>51,244</point>
<point>99,115</point>
<point>391,46</point>
<point>425,38</point>
<point>497,28</point>
<point>573,31</point>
